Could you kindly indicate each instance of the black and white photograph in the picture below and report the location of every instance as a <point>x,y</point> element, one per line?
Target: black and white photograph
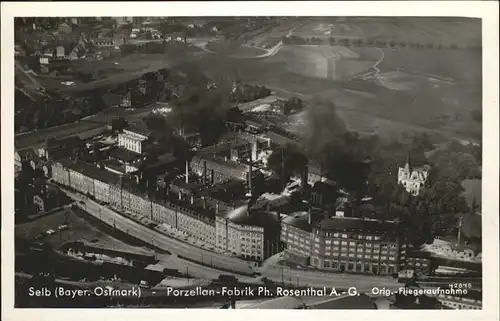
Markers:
<point>330,162</point>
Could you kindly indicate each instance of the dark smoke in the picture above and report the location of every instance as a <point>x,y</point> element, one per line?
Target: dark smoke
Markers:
<point>324,130</point>
<point>339,152</point>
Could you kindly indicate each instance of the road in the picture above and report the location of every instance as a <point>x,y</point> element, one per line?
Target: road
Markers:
<point>363,283</point>
<point>202,44</point>
<point>157,239</point>
<point>219,261</point>
<point>90,123</point>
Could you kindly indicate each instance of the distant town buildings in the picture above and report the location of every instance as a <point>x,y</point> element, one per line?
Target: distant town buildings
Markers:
<point>472,300</point>
<point>413,178</point>
<point>419,261</point>
<point>65,27</point>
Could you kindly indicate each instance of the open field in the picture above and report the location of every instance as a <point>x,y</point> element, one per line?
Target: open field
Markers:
<point>234,50</point>
<point>444,31</point>
<point>407,92</point>
<point>330,62</point>
<point>387,91</point>
<point>78,230</point>
<point>108,73</point>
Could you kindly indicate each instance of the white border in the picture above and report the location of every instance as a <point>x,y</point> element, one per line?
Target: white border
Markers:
<point>487,10</point>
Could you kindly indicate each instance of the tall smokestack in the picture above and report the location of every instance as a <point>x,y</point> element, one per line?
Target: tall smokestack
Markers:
<point>192,199</point>
<point>459,230</point>
<point>204,202</point>
<point>187,172</point>
<point>180,195</point>
<point>250,167</point>
<point>217,207</point>
<point>254,150</point>
<point>305,174</point>
<point>309,218</point>
<point>204,172</point>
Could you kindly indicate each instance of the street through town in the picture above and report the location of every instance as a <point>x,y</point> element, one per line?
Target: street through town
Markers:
<point>220,262</point>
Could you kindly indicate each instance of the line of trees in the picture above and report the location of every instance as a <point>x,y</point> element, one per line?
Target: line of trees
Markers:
<point>357,42</point>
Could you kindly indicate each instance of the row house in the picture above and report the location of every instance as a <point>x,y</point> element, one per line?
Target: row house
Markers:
<point>194,218</point>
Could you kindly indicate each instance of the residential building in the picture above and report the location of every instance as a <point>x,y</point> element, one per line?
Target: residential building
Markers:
<point>178,37</point>
<point>413,178</point>
<point>357,245</point>
<point>471,300</point>
<point>126,100</point>
<point>39,202</point>
<point>109,43</point>
<point>418,261</point>
<point>65,27</point>
<point>297,235</point>
<point>414,302</point>
<point>85,178</point>
<point>60,52</point>
<point>250,234</point>
<point>22,157</point>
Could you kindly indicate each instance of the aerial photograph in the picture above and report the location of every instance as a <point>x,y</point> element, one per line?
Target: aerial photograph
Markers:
<point>248,162</point>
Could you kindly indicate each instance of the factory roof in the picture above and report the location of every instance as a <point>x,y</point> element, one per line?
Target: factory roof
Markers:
<point>114,165</point>
<point>281,139</point>
<point>300,220</point>
<point>222,147</point>
<point>139,128</point>
<point>124,154</point>
<point>63,142</point>
<point>243,216</point>
<point>221,165</point>
<point>91,171</point>
<point>357,224</point>
<point>314,168</point>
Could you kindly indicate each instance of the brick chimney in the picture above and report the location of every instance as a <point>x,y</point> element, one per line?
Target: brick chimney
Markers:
<point>250,167</point>
<point>187,172</point>
<point>204,172</point>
